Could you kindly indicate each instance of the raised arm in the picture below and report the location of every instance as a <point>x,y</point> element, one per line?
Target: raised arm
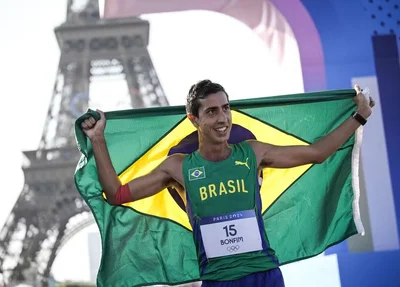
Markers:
<point>139,188</point>
<point>292,156</point>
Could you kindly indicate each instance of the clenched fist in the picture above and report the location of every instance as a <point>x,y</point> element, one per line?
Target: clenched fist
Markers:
<point>364,103</point>
<point>94,129</point>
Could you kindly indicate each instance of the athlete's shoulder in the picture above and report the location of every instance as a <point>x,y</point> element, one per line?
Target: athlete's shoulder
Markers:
<point>173,166</point>
<point>176,158</point>
<point>254,144</point>
<point>248,144</point>
<point>256,147</point>
<point>259,149</point>
<point>171,163</point>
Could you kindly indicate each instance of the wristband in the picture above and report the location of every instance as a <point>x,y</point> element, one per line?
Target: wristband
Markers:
<point>359,118</point>
<point>122,195</point>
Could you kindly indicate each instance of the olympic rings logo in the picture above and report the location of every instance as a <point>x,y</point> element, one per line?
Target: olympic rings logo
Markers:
<point>233,248</point>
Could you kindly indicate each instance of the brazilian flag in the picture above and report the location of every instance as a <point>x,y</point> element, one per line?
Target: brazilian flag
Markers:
<point>305,209</point>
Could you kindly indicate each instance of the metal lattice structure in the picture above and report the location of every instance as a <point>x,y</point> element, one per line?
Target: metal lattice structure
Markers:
<point>49,209</point>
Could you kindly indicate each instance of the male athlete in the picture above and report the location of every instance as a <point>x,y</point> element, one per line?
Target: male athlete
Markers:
<point>219,167</point>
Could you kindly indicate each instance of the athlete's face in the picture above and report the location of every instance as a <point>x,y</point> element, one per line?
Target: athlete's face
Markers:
<point>215,119</point>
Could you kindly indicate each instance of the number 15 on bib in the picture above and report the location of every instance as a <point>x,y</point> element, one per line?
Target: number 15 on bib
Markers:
<point>230,234</point>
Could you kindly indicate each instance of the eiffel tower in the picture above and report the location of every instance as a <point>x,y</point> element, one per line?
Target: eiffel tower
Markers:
<point>49,210</point>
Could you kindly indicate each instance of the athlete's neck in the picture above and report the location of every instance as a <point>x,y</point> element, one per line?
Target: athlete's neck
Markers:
<point>214,152</point>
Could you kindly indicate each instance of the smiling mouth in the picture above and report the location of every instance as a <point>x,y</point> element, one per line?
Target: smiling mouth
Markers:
<point>221,130</point>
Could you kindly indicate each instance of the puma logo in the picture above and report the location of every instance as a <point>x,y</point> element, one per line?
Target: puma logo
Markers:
<point>243,163</point>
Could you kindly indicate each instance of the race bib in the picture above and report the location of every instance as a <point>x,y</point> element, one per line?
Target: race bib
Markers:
<point>230,234</point>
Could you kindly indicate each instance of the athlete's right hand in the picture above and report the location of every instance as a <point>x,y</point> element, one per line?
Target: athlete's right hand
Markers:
<point>92,128</point>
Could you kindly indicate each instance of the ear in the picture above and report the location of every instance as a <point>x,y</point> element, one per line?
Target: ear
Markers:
<point>193,120</point>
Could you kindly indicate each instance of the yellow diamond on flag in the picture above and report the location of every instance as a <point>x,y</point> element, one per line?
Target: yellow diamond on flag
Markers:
<point>275,181</point>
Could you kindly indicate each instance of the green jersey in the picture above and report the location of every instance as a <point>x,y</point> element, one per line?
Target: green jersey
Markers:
<point>224,208</point>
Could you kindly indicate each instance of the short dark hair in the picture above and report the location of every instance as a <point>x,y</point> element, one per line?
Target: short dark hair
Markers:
<point>201,90</point>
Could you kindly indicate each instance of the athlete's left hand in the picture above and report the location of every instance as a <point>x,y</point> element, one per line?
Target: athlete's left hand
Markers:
<point>364,104</point>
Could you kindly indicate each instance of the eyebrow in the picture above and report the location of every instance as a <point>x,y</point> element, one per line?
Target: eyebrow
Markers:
<point>215,107</point>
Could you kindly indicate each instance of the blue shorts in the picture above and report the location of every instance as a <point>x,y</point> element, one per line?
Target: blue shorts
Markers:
<point>270,278</point>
